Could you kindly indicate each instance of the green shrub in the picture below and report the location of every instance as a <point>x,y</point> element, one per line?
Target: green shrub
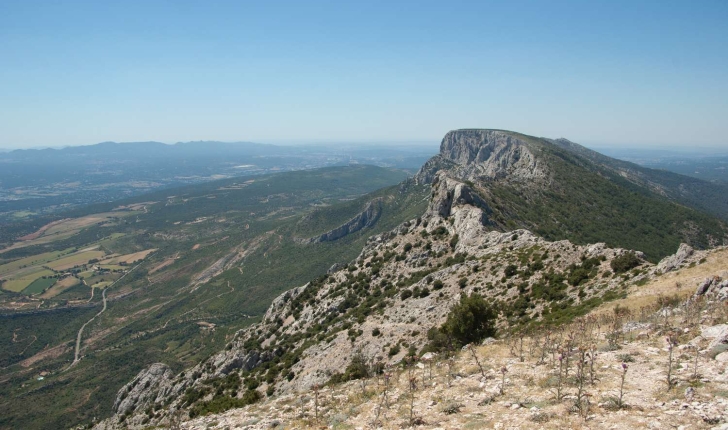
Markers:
<point>471,320</point>
<point>624,262</point>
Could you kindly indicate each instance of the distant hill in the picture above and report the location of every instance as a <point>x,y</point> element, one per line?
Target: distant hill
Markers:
<point>150,150</point>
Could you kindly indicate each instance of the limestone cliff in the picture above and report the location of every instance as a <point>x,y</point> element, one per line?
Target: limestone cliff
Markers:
<point>364,219</point>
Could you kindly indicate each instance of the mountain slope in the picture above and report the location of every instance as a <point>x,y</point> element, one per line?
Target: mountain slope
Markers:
<point>487,188</point>
<point>382,307</point>
<point>528,182</point>
<point>711,197</point>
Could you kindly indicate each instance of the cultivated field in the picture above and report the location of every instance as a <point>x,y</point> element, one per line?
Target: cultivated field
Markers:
<point>66,228</point>
<point>60,286</point>
<point>21,282</point>
<point>127,258</point>
<point>74,260</point>
<point>39,285</point>
<point>10,269</point>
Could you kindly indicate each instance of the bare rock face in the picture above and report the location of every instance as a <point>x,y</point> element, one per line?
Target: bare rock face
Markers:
<point>448,193</point>
<point>676,260</point>
<point>716,287</point>
<point>149,386</point>
<point>479,155</point>
<point>366,218</point>
<point>491,154</point>
<point>718,334</point>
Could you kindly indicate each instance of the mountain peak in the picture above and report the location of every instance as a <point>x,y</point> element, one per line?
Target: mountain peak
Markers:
<point>484,154</point>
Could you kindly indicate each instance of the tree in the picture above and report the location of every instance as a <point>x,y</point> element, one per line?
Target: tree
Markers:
<point>471,320</point>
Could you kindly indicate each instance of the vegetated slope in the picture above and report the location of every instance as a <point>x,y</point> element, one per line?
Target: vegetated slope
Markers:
<point>711,197</point>
<point>533,183</point>
<point>159,312</point>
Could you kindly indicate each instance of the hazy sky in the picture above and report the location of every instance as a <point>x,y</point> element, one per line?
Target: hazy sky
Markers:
<point>635,72</point>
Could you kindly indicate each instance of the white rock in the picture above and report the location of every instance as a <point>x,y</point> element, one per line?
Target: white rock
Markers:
<point>722,357</point>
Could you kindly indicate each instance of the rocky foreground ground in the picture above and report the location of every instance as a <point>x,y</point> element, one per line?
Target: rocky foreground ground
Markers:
<point>568,377</point>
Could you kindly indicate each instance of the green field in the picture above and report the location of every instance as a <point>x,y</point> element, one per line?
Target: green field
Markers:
<point>76,292</point>
<point>22,214</point>
<point>106,277</point>
<point>19,284</point>
<point>86,274</point>
<point>39,285</point>
<point>113,267</point>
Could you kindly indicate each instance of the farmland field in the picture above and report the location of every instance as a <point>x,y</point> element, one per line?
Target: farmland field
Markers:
<point>63,229</point>
<point>93,280</point>
<point>86,274</point>
<point>39,285</point>
<point>22,282</point>
<point>128,258</point>
<point>112,267</point>
<point>76,292</point>
<point>75,260</point>
<point>35,260</point>
<point>60,286</point>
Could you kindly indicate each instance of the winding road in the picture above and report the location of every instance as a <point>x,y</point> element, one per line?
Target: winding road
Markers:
<point>77,352</point>
<point>80,332</point>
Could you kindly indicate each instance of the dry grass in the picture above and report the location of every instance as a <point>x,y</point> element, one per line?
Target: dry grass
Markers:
<point>128,258</point>
<point>682,283</point>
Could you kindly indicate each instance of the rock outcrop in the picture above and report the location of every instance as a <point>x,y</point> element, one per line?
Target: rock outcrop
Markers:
<point>366,218</point>
<point>492,154</point>
<point>676,260</point>
<point>448,194</point>
<point>151,385</point>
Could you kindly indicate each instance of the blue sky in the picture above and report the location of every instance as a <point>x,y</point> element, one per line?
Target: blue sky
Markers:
<point>636,73</point>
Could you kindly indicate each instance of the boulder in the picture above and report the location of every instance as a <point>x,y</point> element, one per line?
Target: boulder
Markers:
<point>676,260</point>
<point>703,287</point>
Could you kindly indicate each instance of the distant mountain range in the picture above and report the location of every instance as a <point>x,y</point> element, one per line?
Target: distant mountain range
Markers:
<point>34,181</point>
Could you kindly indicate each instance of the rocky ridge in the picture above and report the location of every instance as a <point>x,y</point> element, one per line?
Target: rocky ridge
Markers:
<point>382,304</point>
<point>460,385</point>
<point>366,218</point>
<point>404,282</point>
